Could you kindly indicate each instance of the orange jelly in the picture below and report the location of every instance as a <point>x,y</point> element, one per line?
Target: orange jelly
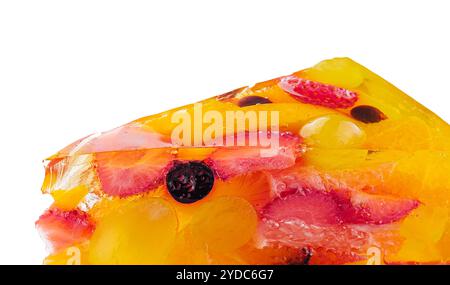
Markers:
<point>329,165</point>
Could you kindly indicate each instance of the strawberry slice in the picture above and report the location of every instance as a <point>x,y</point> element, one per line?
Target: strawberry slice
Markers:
<point>231,161</point>
<point>334,228</point>
<point>316,93</point>
<point>318,208</point>
<point>351,204</point>
<point>334,208</point>
<point>378,209</point>
<point>338,223</point>
<point>62,229</point>
<point>131,172</point>
<point>311,221</point>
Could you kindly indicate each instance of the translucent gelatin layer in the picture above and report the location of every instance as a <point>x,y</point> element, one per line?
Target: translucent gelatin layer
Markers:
<point>328,165</point>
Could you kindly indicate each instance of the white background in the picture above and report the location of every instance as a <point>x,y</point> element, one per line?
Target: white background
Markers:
<point>71,68</point>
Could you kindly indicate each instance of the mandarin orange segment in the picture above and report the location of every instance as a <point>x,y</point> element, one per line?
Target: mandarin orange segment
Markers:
<point>329,165</point>
<point>69,199</point>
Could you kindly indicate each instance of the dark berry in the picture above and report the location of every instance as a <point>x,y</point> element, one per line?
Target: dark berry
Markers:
<point>253,100</point>
<point>189,182</point>
<point>367,114</point>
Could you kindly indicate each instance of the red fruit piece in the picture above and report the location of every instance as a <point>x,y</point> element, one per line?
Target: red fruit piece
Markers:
<point>378,209</point>
<point>131,172</point>
<point>231,161</point>
<point>316,93</point>
<point>316,208</point>
<point>325,208</point>
<point>62,229</point>
<point>339,227</point>
<point>350,205</point>
<point>311,221</point>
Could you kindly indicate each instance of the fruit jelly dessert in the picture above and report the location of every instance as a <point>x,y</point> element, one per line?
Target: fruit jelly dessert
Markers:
<point>359,168</point>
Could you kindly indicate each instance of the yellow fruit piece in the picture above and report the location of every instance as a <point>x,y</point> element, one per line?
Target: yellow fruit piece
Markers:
<point>291,116</point>
<point>199,153</point>
<point>426,224</point>
<point>224,224</point>
<point>333,131</point>
<point>390,111</point>
<point>69,199</point>
<point>342,72</point>
<point>408,134</point>
<point>137,232</point>
<point>335,158</point>
<point>422,175</point>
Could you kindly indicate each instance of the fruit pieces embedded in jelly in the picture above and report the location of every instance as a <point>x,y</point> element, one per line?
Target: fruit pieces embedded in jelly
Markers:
<point>127,173</point>
<point>64,228</point>
<point>253,100</point>
<point>214,224</point>
<point>231,161</point>
<point>367,114</point>
<point>317,93</point>
<point>189,182</point>
<point>136,232</point>
<point>333,131</point>
<point>357,167</point>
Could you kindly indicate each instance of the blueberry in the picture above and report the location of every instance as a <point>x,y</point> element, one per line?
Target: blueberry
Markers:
<point>189,182</point>
<point>253,100</point>
<point>367,114</point>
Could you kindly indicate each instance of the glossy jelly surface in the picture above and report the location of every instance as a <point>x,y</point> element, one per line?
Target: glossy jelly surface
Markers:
<point>329,165</point>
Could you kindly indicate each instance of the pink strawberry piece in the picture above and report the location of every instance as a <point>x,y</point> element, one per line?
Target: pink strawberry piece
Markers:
<point>316,93</point>
<point>231,161</point>
<point>62,229</point>
<point>378,209</point>
<point>311,221</point>
<point>316,208</point>
<point>352,206</point>
<point>331,222</point>
<point>133,172</point>
<point>128,173</point>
